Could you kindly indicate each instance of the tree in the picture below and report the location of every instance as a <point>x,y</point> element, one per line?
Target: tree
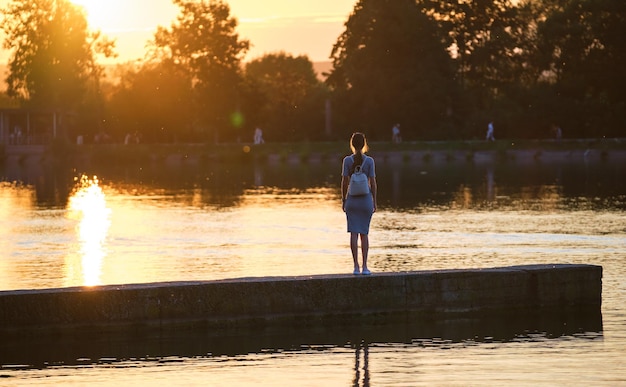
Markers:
<point>52,65</point>
<point>391,65</point>
<point>581,47</point>
<point>483,38</point>
<point>292,97</point>
<point>490,49</point>
<point>203,42</point>
<point>153,101</point>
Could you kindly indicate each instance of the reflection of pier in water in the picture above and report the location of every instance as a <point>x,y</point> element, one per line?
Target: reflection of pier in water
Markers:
<point>290,313</point>
<point>81,349</point>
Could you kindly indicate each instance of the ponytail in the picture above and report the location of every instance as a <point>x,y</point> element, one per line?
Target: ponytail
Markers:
<point>358,144</point>
<point>358,159</point>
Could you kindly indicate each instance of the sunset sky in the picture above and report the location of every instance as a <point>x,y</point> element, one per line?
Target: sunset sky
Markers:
<point>303,27</point>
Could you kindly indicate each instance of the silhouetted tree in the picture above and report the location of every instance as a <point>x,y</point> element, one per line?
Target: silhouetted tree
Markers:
<point>489,46</point>
<point>391,65</point>
<point>52,63</point>
<point>153,100</point>
<point>582,50</point>
<point>292,106</point>
<point>203,42</point>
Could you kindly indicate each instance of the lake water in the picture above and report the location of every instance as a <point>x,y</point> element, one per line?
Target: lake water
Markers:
<point>192,222</point>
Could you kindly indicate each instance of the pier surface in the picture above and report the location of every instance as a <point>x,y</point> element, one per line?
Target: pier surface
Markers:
<point>250,302</point>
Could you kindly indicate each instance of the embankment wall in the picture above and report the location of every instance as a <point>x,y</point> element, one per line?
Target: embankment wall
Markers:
<point>247,302</point>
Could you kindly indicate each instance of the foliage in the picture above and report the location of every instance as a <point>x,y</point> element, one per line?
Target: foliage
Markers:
<point>527,65</point>
<point>52,65</point>
<point>440,68</point>
<point>204,43</point>
<point>489,41</point>
<point>581,44</point>
<point>152,101</point>
<point>484,41</point>
<point>290,97</point>
<point>390,65</point>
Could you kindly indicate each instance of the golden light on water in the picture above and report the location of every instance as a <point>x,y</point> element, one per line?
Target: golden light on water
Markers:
<point>88,205</point>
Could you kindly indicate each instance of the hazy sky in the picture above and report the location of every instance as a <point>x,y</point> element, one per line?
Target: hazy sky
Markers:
<point>298,27</point>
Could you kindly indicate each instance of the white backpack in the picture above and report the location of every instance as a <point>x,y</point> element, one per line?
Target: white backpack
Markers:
<point>359,184</point>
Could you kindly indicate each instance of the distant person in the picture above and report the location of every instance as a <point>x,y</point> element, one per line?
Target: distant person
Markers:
<point>101,137</point>
<point>17,130</point>
<point>490,136</point>
<point>558,133</point>
<point>359,209</point>
<point>258,136</point>
<point>395,134</point>
<point>132,138</point>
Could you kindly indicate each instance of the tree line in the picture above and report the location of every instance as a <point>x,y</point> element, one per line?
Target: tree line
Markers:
<point>442,69</point>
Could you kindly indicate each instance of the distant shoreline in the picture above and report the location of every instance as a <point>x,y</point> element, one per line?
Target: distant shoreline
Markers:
<point>303,153</point>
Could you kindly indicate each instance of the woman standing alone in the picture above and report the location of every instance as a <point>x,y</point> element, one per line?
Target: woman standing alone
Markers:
<point>359,209</point>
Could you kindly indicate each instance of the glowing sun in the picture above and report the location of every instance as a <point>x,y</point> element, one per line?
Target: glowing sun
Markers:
<point>110,15</point>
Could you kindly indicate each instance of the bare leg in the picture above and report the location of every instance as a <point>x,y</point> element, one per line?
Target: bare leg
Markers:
<point>355,249</point>
<point>365,246</point>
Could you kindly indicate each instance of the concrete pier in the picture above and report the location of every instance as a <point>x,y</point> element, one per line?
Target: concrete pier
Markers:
<point>250,302</point>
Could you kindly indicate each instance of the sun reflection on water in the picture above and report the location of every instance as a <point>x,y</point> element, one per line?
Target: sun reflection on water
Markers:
<point>87,204</point>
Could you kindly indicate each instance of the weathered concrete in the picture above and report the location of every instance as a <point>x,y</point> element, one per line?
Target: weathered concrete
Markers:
<point>248,302</point>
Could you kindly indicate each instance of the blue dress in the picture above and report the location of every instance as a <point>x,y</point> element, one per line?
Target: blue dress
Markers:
<point>359,209</point>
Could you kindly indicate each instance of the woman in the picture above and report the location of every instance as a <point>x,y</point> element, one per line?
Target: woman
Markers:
<point>359,209</point>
